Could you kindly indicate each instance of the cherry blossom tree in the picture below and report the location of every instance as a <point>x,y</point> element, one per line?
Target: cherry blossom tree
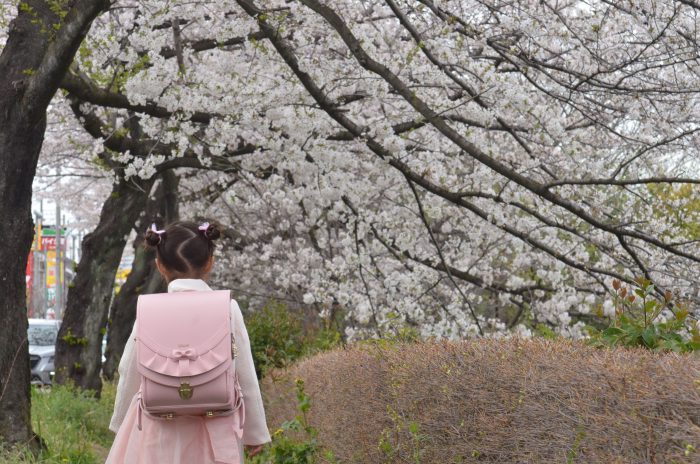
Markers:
<point>465,167</point>
<point>522,97</point>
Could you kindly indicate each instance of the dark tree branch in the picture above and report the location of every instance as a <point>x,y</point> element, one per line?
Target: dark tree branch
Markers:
<point>202,45</point>
<point>60,51</point>
<point>145,147</point>
<point>81,86</point>
<point>428,227</point>
<point>611,182</point>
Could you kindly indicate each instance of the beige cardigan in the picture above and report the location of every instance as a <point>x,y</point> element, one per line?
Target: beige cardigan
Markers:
<point>255,430</point>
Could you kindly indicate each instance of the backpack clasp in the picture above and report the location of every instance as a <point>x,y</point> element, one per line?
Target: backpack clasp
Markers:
<point>185,391</point>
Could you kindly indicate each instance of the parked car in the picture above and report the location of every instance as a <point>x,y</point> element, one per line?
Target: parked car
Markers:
<point>42,334</point>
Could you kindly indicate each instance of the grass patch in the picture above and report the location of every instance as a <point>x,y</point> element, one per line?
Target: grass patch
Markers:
<point>73,425</point>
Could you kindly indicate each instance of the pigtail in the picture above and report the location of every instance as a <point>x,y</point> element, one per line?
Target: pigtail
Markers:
<point>154,237</point>
<point>210,231</point>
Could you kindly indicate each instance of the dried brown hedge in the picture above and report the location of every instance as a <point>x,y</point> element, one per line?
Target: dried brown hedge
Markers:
<point>494,401</point>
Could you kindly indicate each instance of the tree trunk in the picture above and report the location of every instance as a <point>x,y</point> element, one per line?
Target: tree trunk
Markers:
<point>20,143</point>
<point>32,63</point>
<point>79,347</point>
<point>144,278</point>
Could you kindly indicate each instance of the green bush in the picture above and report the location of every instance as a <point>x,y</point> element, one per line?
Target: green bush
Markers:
<point>638,320</point>
<point>73,425</point>
<point>278,337</point>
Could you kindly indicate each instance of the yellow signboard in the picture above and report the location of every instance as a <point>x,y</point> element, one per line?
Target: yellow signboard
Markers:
<point>51,271</point>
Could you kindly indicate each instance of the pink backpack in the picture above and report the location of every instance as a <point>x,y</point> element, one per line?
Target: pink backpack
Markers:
<point>184,349</point>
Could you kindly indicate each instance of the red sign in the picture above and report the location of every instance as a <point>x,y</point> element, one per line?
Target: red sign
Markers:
<point>28,278</point>
<point>30,268</point>
<point>49,242</point>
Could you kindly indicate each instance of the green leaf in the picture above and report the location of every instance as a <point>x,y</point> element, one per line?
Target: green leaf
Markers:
<point>673,345</point>
<point>293,424</point>
<point>612,331</point>
<point>304,404</point>
<point>672,337</point>
<point>649,336</point>
<point>694,345</point>
<point>650,305</point>
<point>681,314</point>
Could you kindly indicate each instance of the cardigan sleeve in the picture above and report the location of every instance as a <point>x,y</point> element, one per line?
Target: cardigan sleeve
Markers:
<point>255,430</point>
<point>129,382</point>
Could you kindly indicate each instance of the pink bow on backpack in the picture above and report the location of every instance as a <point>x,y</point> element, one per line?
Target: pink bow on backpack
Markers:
<point>184,357</point>
<point>189,353</point>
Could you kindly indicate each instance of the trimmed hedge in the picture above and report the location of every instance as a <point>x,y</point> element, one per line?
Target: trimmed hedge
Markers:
<point>491,401</point>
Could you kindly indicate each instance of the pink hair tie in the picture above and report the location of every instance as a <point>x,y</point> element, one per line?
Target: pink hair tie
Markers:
<point>159,233</point>
<point>204,227</point>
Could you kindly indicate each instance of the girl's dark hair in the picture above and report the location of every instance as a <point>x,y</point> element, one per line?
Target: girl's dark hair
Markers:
<point>184,248</point>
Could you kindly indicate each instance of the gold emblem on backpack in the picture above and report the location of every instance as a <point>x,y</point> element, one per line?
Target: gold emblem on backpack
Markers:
<point>185,391</point>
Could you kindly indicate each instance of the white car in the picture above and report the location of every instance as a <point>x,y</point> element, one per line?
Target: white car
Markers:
<point>42,334</point>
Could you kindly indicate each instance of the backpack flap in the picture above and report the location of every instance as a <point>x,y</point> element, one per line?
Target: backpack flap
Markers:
<point>168,368</point>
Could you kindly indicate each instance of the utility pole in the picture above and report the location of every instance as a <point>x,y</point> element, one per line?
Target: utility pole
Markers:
<point>64,259</point>
<point>59,289</point>
<point>37,301</point>
<point>45,269</point>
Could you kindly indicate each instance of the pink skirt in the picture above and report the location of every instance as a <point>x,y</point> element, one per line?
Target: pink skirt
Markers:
<point>184,440</point>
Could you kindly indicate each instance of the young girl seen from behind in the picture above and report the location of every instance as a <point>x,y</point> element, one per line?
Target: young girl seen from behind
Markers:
<point>184,256</point>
